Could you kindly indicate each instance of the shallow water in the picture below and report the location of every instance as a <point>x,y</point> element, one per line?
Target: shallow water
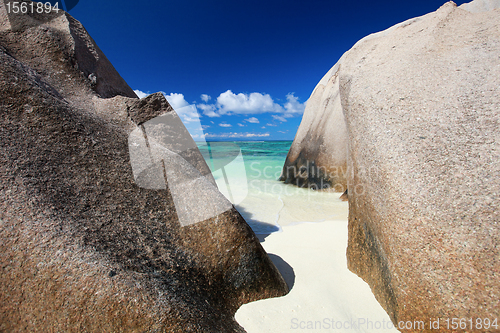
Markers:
<point>247,174</point>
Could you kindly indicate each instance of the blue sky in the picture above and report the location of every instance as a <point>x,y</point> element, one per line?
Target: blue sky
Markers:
<point>244,68</point>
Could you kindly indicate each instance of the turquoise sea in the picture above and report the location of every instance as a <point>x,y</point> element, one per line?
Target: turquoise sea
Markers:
<point>262,159</point>
<point>247,173</point>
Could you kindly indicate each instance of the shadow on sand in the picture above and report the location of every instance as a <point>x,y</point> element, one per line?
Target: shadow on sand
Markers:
<point>285,269</point>
<point>262,230</point>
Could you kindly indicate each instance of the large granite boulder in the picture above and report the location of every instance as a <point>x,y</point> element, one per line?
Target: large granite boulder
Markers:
<point>419,111</point>
<point>89,242</point>
<point>317,158</point>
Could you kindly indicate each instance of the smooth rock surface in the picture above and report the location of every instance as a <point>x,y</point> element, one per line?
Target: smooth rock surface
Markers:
<point>84,248</point>
<point>318,156</point>
<point>422,111</point>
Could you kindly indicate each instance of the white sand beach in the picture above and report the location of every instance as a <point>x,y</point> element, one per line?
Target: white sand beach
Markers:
<point>305,234</point>
<point>324,294</point>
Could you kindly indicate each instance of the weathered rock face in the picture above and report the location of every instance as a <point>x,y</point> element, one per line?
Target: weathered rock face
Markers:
<point>422,111</point>
<point>83,247</point>
<point>318,156</point>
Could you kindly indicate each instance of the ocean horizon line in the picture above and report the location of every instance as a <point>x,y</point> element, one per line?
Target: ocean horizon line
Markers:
<point>243,141</point>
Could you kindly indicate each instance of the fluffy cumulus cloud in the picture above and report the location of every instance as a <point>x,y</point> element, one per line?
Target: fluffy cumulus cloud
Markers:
<point>208,110</point>
<point>140,94</point>
<point>253,120</point>
<point>293,107</point>
<point>176,100</point>
<point>229,103</point>
<point>253,103</point>
<point>187,112</point>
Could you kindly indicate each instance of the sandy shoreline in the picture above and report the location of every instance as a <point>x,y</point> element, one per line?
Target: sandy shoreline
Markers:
<point>325,295</point>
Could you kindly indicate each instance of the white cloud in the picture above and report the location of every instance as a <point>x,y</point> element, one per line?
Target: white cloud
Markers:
<point>208,110</point>
<point>253,120</point>
<point>176,100</point>
<point>237,135</point>
<point>293,107</point>
<point>254,103</point>
<point>140,94</point>
<point>280,118</point>
<point>229,103</point>
<point>187,112</point>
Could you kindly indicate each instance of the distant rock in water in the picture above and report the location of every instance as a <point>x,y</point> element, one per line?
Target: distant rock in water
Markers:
<point>414,113</point>
<point>85,244</point>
